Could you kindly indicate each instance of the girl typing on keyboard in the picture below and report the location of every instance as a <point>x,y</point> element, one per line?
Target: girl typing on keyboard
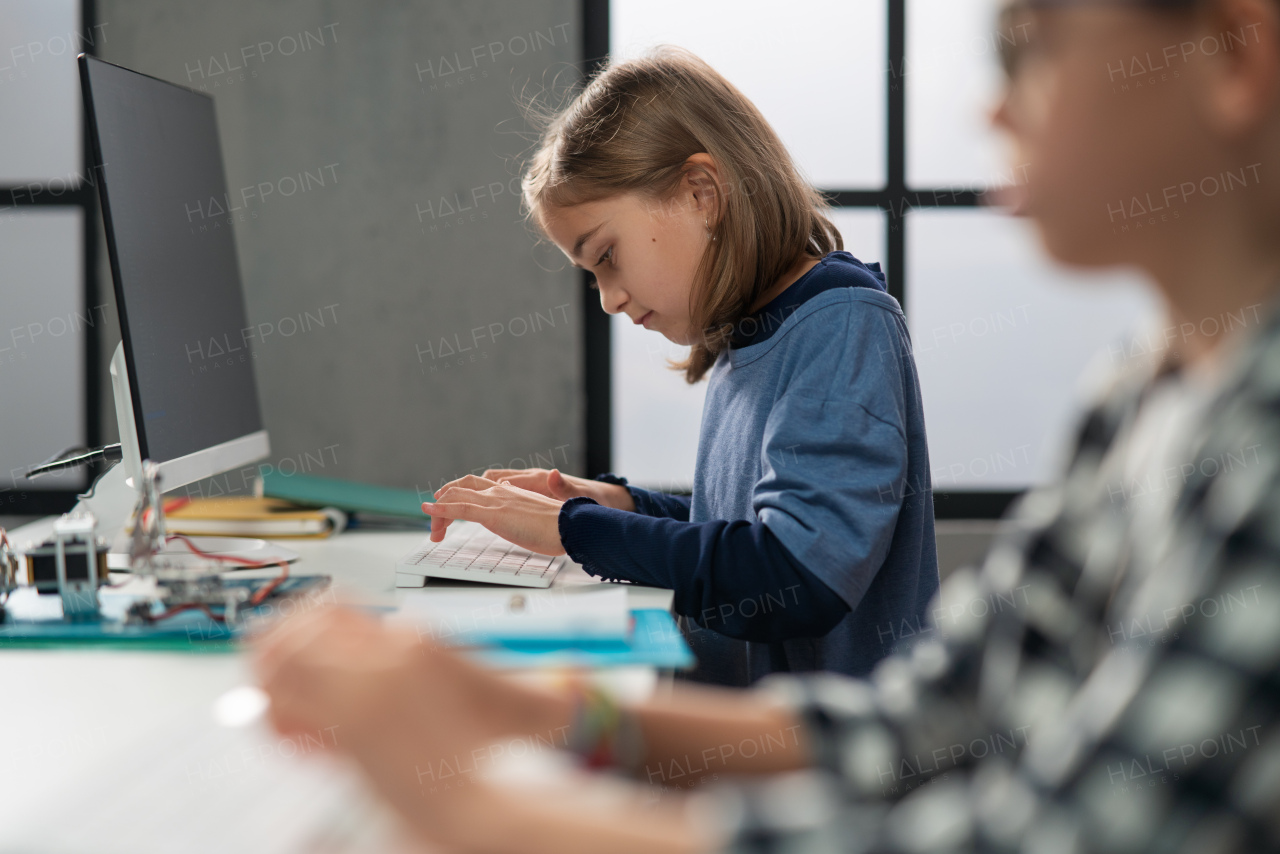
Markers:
<point>808,542</point>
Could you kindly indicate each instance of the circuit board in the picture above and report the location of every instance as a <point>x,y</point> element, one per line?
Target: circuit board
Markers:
<point>33,620</point>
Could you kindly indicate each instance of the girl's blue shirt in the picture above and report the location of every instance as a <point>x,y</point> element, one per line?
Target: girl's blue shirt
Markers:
<point>808,543</point>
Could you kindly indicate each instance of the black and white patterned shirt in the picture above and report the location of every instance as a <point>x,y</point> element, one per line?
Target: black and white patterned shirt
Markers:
<point>1098,686</point>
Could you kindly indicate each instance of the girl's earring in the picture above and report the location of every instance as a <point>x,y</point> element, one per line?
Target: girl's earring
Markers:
<point>707,221</point>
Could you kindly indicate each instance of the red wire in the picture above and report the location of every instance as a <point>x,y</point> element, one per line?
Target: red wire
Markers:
<point>232,558</point>
<point>255,600</point>
<point>169,506</point>
<point>175,503</point>
<point>264,592</point>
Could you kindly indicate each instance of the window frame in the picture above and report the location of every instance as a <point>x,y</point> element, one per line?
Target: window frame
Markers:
<point>20,501</point>
<point>895,200</point>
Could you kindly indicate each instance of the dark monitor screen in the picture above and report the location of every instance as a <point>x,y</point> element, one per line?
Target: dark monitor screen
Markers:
<point>182,313</point>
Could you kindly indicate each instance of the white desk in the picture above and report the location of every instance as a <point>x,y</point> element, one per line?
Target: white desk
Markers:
<point>66,711</point>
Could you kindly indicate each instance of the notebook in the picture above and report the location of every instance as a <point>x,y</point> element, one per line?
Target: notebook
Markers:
<point>488,616</point>
<point>249,516</point>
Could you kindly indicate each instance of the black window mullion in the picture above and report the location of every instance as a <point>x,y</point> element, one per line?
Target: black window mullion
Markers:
<point>896,199</point>
<point>597,338</point>
<point>23,196</point>
<point>896,159</point>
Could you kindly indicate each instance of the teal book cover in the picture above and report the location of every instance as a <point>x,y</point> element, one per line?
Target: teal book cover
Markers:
<point>349,495</point>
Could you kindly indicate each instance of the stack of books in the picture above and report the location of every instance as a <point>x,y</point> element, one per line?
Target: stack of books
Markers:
<point>250,516</point>
<point>297,506</point>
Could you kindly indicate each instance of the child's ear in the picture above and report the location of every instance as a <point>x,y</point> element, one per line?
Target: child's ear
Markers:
<point>702,181</point>
<point>1244,82</point>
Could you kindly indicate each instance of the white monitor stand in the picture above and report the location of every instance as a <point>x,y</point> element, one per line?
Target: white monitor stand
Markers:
<point>113,497</point>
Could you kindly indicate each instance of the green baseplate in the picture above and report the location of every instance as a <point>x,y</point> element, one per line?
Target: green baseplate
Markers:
<point>36,622</point>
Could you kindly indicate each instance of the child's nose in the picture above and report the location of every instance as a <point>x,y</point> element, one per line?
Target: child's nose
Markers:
<point>612,300</point>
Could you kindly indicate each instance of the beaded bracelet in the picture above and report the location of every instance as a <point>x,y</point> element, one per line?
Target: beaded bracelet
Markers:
<point>603,733</point>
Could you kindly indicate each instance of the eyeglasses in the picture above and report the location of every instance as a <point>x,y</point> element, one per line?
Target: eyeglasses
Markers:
<point>1064,4</point>
<point>1016,33</point>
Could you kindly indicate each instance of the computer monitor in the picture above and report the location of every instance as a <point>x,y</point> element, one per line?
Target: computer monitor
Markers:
<point>183,374</point>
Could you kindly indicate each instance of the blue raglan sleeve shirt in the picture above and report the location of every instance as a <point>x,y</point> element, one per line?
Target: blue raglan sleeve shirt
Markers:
<point>800,479</point>
<point>835,449</point>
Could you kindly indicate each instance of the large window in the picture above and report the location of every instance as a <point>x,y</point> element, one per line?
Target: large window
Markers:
<point>47,298</point>
<point>884,104</point>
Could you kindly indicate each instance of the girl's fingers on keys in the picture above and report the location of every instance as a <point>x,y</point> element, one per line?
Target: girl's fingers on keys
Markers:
<point>441,516</point>
<point>534,480</point>
<point>439,527</point>
<point>466,511</point>
<point>470,481</point>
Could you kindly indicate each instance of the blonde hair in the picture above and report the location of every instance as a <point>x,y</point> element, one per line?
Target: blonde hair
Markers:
<point>633,128</point>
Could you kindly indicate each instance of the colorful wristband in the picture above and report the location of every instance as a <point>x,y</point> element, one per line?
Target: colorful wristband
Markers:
<point>604,734</point>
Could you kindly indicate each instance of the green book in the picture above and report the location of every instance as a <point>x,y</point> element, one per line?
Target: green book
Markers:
<point>347,495</point>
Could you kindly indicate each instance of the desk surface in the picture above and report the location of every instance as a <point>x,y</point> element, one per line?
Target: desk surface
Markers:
<point>70,710</point>
<point>362,564</point>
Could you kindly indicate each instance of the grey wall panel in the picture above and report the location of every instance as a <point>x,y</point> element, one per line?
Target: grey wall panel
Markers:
<point>963,542</point>
<point>41,346</point>
<point>373,152</point>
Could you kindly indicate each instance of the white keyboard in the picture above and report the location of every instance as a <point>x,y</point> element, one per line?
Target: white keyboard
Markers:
<point>469,552</point>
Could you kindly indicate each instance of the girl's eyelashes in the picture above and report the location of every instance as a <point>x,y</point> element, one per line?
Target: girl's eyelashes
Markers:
<point>594,284</point>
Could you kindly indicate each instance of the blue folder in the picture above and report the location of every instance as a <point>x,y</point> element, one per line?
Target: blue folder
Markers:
<point>655,642</point>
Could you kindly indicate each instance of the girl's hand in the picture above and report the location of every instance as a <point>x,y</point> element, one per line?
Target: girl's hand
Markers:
<point>526,518</point>
<point>380,684</point>
<point>399,707</point>
<point>406,712</point>
<point>387,694</point>
<point>554,484</point>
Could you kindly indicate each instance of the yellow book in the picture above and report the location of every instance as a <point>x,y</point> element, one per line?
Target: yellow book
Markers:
<point>249,516</point>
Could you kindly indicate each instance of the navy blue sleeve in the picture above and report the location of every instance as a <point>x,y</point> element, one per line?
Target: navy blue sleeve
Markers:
<point>735,578</point>
<point>649,503</point>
